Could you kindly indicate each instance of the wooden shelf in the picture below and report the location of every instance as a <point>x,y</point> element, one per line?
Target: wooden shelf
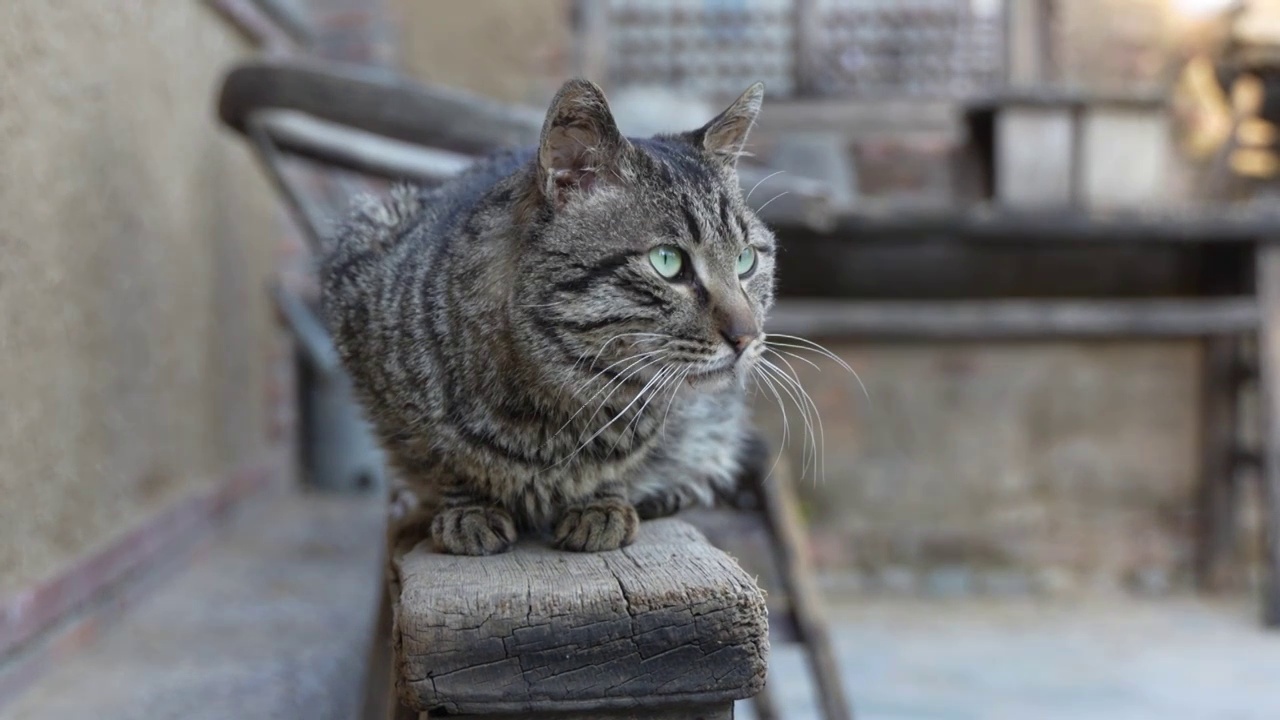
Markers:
<point>1014,319</point>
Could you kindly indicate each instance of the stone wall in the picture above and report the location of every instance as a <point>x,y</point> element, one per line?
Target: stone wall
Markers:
<point>1030,466</point>
<point>135,241</point>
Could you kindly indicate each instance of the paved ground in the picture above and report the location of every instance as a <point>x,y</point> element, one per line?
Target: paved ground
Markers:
<point>1102,660</point>
<point>273,621</point>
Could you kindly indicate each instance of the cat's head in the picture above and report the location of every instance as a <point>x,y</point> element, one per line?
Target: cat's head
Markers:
<point>645,245</point>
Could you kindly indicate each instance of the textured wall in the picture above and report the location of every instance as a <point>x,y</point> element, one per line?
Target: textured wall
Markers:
<point>134,240</point>
<point>1060,463</point>
<point>514,50</point>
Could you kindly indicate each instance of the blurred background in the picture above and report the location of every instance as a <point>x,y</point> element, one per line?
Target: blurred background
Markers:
<point>1034,228</point>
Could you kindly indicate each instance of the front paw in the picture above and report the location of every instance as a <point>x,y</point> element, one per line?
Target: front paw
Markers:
<point>473,530</point>
<point>597,527</point>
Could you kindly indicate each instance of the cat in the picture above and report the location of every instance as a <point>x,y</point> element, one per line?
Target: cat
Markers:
<point>559,339</point>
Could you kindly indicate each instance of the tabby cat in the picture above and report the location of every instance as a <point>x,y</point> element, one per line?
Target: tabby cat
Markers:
<point>560,338</point>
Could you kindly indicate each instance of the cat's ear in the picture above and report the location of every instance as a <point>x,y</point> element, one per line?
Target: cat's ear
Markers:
<point>581,145</point>
<point>725,137</point>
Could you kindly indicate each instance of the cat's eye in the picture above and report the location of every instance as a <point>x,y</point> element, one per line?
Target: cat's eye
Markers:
<point>667,260</point>
<point>746,261</point>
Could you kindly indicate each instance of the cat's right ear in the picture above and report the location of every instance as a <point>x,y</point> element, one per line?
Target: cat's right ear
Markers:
<point>581,145</point>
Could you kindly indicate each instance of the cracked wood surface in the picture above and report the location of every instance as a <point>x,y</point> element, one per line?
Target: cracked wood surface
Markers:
<point>669,620</point>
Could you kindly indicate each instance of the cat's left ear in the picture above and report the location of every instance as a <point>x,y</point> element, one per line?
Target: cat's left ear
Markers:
<point>726,135</point>
<point>581,145</point>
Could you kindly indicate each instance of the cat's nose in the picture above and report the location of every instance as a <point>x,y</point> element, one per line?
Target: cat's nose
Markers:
<point>741,341</point>
<point>737,324</point>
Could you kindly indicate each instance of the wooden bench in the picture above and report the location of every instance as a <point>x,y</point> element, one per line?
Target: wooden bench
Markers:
<point>669,627</point>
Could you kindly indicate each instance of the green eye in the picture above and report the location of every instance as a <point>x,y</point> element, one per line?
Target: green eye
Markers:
<point>667,260</point>
<point>746,261</point>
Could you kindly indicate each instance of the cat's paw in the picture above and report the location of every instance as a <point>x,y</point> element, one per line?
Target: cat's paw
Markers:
<point>660,505</point>
<point>473,530</point>
<point>597,527</point>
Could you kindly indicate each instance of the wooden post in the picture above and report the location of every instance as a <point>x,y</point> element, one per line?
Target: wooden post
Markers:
<point>1217,492</point>
<point>591,40</point>
<point>1268,286</point>
<point>1028,42</point>
<point>805,26</point>
<point>669,628</point>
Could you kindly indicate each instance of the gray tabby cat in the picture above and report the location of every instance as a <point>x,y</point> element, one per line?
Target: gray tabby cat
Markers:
<point>560,338</point>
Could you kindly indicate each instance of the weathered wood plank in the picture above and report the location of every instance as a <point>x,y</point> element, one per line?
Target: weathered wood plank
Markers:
<point>1268,279</point>
<point>1014,319</point>
<point>668,621</point>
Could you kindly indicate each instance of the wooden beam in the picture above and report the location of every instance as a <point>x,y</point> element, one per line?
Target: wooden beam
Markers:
<point>889,222</point>
<point>667,624</point>
<point>1013,319</point>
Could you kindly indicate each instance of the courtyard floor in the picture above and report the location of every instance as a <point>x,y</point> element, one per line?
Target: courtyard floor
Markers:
<point>1024,660</point>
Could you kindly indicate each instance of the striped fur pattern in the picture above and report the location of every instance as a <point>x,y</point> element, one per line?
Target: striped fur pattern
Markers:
<point>523,362</point>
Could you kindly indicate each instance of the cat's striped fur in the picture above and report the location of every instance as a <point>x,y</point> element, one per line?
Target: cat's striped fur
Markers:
<point>524,364</point>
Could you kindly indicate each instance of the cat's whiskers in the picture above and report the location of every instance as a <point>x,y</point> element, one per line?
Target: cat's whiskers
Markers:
<point>760,182</point>
<point>803,403</point>
<point>775,197</point>
<point>668,372</point>
<point>674,392</point>
<point>792,355</point>
<point>814,347</point>
<point>596,358</point>
<point>820,465</point>
<point>637,363</point>
<point>757,375</point>
<point>615,418</point>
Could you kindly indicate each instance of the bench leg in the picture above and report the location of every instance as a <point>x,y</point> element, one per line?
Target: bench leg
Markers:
<point>765,706</point>
<point>1268,287</point>
<point>796,578</point>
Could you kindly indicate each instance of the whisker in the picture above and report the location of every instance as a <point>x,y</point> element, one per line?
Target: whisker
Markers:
<point>675,391</point>
<point>775,197</point>
<point>786,422</point>
<point>815,347</point>
<point>667,372</point>
<point>820,460</point>
<point>643,360</point>
<point>811,440</point>
<point>759,183</point>
<point>806,360</point>
<point>620,381</point>
<point>621,412</point>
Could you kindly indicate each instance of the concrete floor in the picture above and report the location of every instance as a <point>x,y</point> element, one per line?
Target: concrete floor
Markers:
<point>1096,660</point>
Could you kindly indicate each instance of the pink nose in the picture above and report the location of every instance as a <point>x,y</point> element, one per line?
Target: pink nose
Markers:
<point>739,342</point>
